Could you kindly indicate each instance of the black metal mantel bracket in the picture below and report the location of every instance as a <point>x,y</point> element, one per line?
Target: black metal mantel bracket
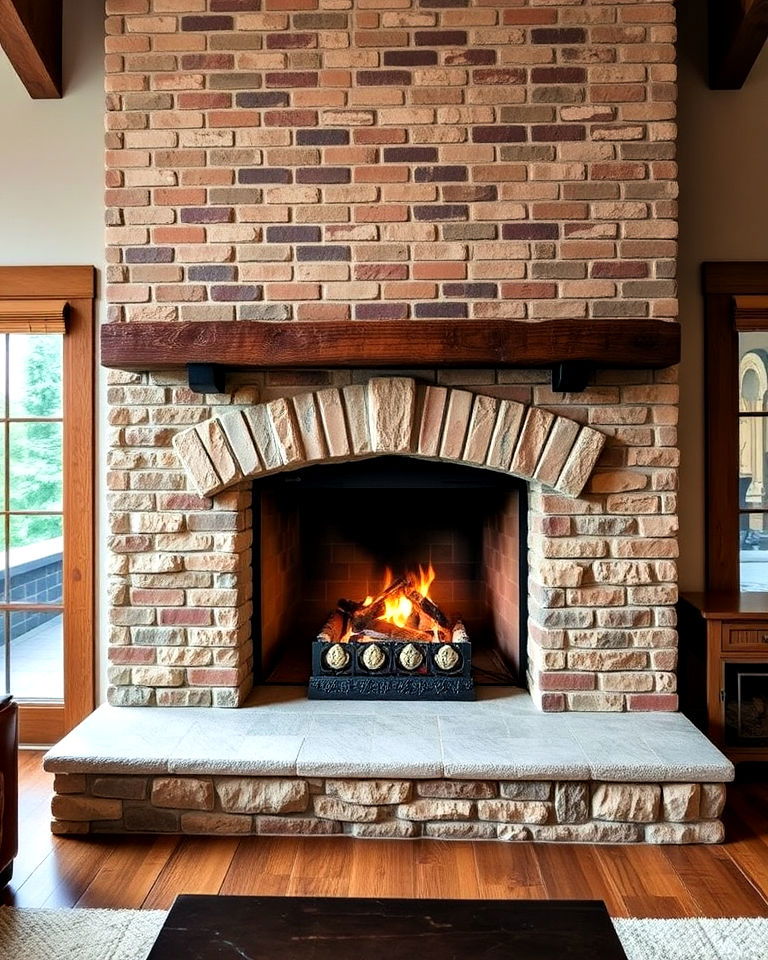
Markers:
<point>571,376</point>
<point>206,377</point>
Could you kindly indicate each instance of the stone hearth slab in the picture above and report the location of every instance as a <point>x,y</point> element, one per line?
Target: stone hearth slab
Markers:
<point>499,736</point>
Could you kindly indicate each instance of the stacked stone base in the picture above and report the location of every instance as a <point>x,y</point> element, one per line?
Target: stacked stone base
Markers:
<point>545,810</point>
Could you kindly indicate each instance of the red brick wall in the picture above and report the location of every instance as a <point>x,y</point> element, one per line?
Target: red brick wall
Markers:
<point>319,159</point>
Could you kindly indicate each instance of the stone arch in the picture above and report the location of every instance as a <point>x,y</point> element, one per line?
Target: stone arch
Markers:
<point>753,435</point>
<point>386,416</point>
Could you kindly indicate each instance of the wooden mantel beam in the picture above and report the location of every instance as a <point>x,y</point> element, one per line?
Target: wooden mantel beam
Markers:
<point>30,34</point>
<point>738,30</point>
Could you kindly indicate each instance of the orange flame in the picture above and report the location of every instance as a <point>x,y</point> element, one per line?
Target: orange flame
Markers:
<point>398,608</point>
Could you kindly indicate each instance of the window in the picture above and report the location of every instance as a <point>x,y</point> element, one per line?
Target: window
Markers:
<point>736,386</point>
<point>46,496</point>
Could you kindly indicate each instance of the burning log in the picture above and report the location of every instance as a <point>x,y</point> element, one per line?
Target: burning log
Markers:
<point>383,630</point>
<point>460,634</point>
<point>333,629</point>
<point>429,610</point>
<point>378,606</point>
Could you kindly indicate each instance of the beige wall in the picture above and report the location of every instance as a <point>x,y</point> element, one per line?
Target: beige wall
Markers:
<point>723,153</point>
<point>52,166</point>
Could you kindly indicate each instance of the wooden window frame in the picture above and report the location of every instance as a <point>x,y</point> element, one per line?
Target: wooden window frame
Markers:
<point>45,723</point>
<point>735,301</point>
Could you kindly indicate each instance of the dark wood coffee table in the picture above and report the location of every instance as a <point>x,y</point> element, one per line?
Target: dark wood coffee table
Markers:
<point>319,928</point>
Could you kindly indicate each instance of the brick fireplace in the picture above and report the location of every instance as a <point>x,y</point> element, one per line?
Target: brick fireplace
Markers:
<point>437,232</point>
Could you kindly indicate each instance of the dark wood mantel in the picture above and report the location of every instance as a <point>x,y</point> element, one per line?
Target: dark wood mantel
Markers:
<point>408,343</point>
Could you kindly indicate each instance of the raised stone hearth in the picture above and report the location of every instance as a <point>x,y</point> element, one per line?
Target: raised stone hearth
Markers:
<point>493,769</point>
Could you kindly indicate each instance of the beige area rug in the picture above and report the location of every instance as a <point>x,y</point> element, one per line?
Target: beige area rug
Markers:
<point>129,935</point>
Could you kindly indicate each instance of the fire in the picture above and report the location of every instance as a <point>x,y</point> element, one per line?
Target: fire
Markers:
<point>398,608</point>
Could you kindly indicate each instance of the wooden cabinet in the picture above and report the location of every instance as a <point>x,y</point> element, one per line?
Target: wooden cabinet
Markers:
<point>729,632</point>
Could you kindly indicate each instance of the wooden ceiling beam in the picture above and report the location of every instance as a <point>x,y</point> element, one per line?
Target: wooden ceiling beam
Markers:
<point>30,34</point>
<point>738,30</point>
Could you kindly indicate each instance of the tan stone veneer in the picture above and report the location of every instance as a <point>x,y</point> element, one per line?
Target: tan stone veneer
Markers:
<point>544,810</point>
<point>386,416</point>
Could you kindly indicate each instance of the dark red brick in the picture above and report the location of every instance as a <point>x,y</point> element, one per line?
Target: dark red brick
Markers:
<point>474,291</point>
<point>470,58</point>
<point>499,133</point>
<point>499,75</point>
<point>208,61</point>
<point>275,98</point>
<point>236,292</point>
<point>149,255</point>
<point>558,35</point>
<point>620,269</point>
<point>410,154</point>
<point>207,215</point>
<point>439,174</point>
<point>323,175</point>
<point>530,231</point>
<point>381,311</point>
<point>440,38</point>
<point>427,311</point>
<point>264,175</point>
<point>558,131</point>
<point>410,58</point>
<point>290,118</point>
<point>383,78</point>
<point>291,41</point>
<point>206,23</point>
<point>235,6</point>
<point>322,138</point>
<point>558,75</point>
<point>293,234</point>
<point>449,211</point>
<point>204,101</point>
<point>330,252</point>
<point>289,79</point>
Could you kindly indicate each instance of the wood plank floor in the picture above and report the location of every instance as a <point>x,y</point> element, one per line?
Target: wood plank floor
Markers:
<point>148,872</point>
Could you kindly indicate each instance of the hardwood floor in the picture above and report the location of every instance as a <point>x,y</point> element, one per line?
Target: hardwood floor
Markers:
<point>639,881</point>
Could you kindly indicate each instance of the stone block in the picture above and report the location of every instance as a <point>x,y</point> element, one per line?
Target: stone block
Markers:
<point>296,826</point>
<point>369,792</point>
<point>530,444</point>
<point>185,793</point>
<point>85,808</point>
<point>226,824</point>
<point>120,788</point>
<point>456,789</point>
<point>241,442</point>
<point>506,430</point>
<point>263,436</point>
<point>460,831</point>
<point>69,828</point>
<point>571,802</point>
<point>286,431</point>
<point>481,424</point>
<point>431,422</point>
<point>706,831</point>
<point>456,426</point>
<point>712,800</point>
<point>626,802</point>
<point>310,426</point>
<point>514,811</point>
<point>69,783</point>
<point>356,404</point>
<point>197,463</point>
<point>581,462</point>
<point>588,833</point>
<point>334,424</point>
<point>388,830</point>
<point>556,451</point>
<point>391,408</point>
<point>262,795</point>
<point>681,801</point>
<point>144,819</point>
<point>428,809</point>
<point>526,790</point>
<point>216,446</point>
<point>331,808</point>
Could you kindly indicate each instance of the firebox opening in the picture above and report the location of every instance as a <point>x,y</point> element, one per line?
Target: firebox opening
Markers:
<point>331,532</point>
